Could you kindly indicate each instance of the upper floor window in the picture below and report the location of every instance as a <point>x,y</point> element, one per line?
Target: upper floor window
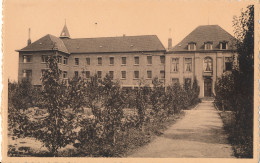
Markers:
<point>208,45</point>
<point>136,74</point>
<point>188,64</point>
<point>99,60</point>
<point>149,60</point>
<point>59,59</point>
<point>44,58</point>
<point>111,60</point>
<point>27,58</point>
<point>123,60</point>
<point>228,63</point>
<point>88,61</point>
<point>208,64</point>
<point>175,65</point>
<point>162,59</point>
<point>223,45</point>
<point>123,73</point>
<point>76,61</point>
<point>192,46</point>
<point>136,60</point>
<point>65,61</point>
<point>27,74</point>
<point>149,74</point>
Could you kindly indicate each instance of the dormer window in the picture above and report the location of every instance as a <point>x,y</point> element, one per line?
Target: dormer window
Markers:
<point>223,45</point>
<point>192,46</point>
<point>208,45</point>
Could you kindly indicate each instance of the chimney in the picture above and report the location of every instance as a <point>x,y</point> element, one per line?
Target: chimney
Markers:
<point>169,43</point>
<point>29,38</point>
<point>123,35</point>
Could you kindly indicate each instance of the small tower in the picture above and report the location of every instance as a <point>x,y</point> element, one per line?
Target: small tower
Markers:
<point>65,32</point>
<point>29,37</point>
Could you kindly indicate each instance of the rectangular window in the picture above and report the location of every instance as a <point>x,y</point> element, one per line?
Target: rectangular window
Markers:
<point>136,60</point>
<point>27,58</point>
<point>136,74</point>
<point>175,65</point>
<point>76,73</point>
<point>188,64</point>
<point>162,74</point>
<point>88,61</point>
<point>162,59</point>
<point>175,80</point>
<point>59,59</point>
<point>44,58</point>
<point>65,74</point>
<point>111,74</point>
<point>99,74</point>
<point>76,61</point>
<point>228,63</point>
<point>149,60</point>
<point>149,74</point>
<point>111,60</point>
<point>223,45</point>
<point>87,74</point>
<point>123,60</point>
<point>65,61</point>
<point>123,74</point>
<point>27,74</point>
<point>187,83</point>
<point>99,60</point>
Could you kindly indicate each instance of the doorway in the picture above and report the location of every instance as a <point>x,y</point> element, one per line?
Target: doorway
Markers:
<point>207,87</point>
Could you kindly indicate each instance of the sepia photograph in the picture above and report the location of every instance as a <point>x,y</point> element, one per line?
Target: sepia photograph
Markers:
<point>129,79</point>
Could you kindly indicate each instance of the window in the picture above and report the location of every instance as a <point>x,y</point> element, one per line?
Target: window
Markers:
<point>207,64</point>
<point>123,60</point>
<point>27,74</point>
<point>88,61</point>
<point>44,58</point>
<point>208,45</point>
<point>111,74</point>
<point>188,64</point>
<point>76,74</point>
<point>136,74</point>
<point>175,80</point>
<point>87,74</point>
<point>123,73</point>
<point>228,63</point>
<point>175,65</point>
<point>223,45</point>
<point>59,59</point>
<point>99,60</point>
<point>111,60</point>
<point>162,74</point>
<point>65,61</point>
<point>162,59</point>
<point>136,60</point>
<point>27,58</point>
<point>149,60</point>
<point>192,46</point>
<point>65,74</point>
<point>187,83</point>
<point>149,74</point>
<point>76,61</point>
<point>99,74</point>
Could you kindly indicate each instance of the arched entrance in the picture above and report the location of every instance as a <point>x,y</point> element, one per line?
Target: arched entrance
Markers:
<point>207,87</point>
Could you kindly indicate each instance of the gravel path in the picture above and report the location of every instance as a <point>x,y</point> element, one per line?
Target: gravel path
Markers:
<point>199,134</point>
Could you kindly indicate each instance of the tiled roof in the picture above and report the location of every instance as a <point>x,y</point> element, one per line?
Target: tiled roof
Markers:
<point>114,44</point>
<point>98,45</point>
<point>206,33</point>
<point>48,42</point>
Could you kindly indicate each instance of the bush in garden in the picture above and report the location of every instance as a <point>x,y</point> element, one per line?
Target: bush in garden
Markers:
<point>157,95</point>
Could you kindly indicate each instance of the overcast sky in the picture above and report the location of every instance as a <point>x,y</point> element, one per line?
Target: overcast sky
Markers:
<point>102,18</point>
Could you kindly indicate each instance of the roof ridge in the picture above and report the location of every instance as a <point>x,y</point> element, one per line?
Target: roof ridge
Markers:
<point>112,37</point>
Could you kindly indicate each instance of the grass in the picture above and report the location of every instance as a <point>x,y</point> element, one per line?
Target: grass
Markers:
<point>241,141</point>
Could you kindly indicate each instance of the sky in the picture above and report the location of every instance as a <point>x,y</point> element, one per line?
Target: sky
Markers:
<point>106,18</point>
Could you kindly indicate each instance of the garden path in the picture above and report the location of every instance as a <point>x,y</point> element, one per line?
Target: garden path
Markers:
<point>199,134</point>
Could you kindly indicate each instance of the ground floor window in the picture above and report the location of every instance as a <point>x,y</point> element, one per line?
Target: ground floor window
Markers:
<point>175,80</point>
<point>27,74</point>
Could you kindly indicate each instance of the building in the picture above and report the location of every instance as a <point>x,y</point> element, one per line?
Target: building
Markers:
<point>206,53</point>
